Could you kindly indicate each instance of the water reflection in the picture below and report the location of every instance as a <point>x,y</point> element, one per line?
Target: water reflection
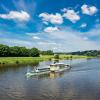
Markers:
<point>56,61</point>
<point>50,75</point>
<point>53,75</point>
<point>5,67</point>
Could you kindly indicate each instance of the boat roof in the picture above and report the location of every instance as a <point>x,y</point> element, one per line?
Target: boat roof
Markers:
<point>57,64</point>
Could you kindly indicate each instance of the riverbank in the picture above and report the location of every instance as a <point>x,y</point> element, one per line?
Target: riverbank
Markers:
<point>29,60</point>
<point>22,60</point>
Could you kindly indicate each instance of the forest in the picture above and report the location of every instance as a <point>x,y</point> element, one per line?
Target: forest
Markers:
<point>16,51</point>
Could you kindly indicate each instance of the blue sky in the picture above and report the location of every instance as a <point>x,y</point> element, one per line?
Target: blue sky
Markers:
<point>59,25</point>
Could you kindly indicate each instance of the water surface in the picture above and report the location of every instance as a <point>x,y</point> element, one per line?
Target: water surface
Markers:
<point>81,82</point>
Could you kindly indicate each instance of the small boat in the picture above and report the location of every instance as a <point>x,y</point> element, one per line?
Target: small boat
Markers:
<point>57,67</point>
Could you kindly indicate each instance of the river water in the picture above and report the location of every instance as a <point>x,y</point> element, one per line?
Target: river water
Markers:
<point>81,82</point>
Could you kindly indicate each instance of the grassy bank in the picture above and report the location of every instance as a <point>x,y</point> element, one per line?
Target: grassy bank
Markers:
<point>74,57</point>
<point>22,60</point>
<point>26,60</point>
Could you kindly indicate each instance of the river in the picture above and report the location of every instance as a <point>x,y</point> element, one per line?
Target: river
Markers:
<point>80,82</point>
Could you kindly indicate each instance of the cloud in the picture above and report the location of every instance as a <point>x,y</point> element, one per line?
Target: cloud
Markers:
<point>85,38</point>
<point>65,40</point>
<point>64,9</point>
<point>47,43</point>
<point>30,34</point>
<point>55,48</point>
<point>51,29</point>
<point>73,42</point>
<point>83,25</point>
<point>88,10</point>
<point>36,37</point>
<point>51,18</point>
<point>15,15</point>
<point>94,32</point>
<point>15,42</point>
<point>71,15</point>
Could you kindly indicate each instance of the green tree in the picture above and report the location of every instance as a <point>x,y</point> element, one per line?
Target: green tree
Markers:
<point>56,56</point>
<point>34,52</point>
<point>24,52</point>
<point>4,51</point>
<point>48,52</point>
<point>15,51</point>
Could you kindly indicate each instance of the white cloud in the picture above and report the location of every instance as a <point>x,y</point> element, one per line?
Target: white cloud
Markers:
<point>89,10</point>
<point>85,38</point>
<point>68,40</point>
<point>94,32</point>
<point>71,15</point>
<point>33,34</point>
<point>15,42</point>
<point>55,48</point>
<point>30,34</point>
<point>72,42</point>
<point>51,29</point>
<point>64,10</point>
<point>83,25</point>
<point>36,37</point>
<point>15,15</point>
<point>47,43</point>
<point>51,18</point>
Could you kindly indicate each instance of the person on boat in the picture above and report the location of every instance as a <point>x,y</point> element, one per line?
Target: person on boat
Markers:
<point>36,70</point>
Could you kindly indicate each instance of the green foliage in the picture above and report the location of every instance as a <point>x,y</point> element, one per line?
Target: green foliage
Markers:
<point>15,51</point>
<point>4,50</point>
<point>87,53</point>
<point>34,52</point>
<point>24,52</point>
<point>48,52</point>
<point>56,56</point>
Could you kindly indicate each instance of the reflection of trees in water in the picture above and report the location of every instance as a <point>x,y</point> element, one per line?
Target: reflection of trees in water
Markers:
<point>35,63</point>
<point>5,67</point>
<point>53,75</point>
<point>56,61</point>
<point>50,75</point>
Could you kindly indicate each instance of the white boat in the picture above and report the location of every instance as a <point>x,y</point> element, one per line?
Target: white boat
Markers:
<point>57,67</point>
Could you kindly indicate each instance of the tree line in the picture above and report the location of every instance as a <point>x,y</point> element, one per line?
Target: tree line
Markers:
<point>83,53</point>
<point>16,51</point>
<point>87,53</point>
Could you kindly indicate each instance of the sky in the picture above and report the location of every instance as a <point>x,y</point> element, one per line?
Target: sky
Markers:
<point>58,25</point>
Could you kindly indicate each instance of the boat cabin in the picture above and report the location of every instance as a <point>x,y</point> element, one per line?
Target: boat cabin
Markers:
<point>56,66</point>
